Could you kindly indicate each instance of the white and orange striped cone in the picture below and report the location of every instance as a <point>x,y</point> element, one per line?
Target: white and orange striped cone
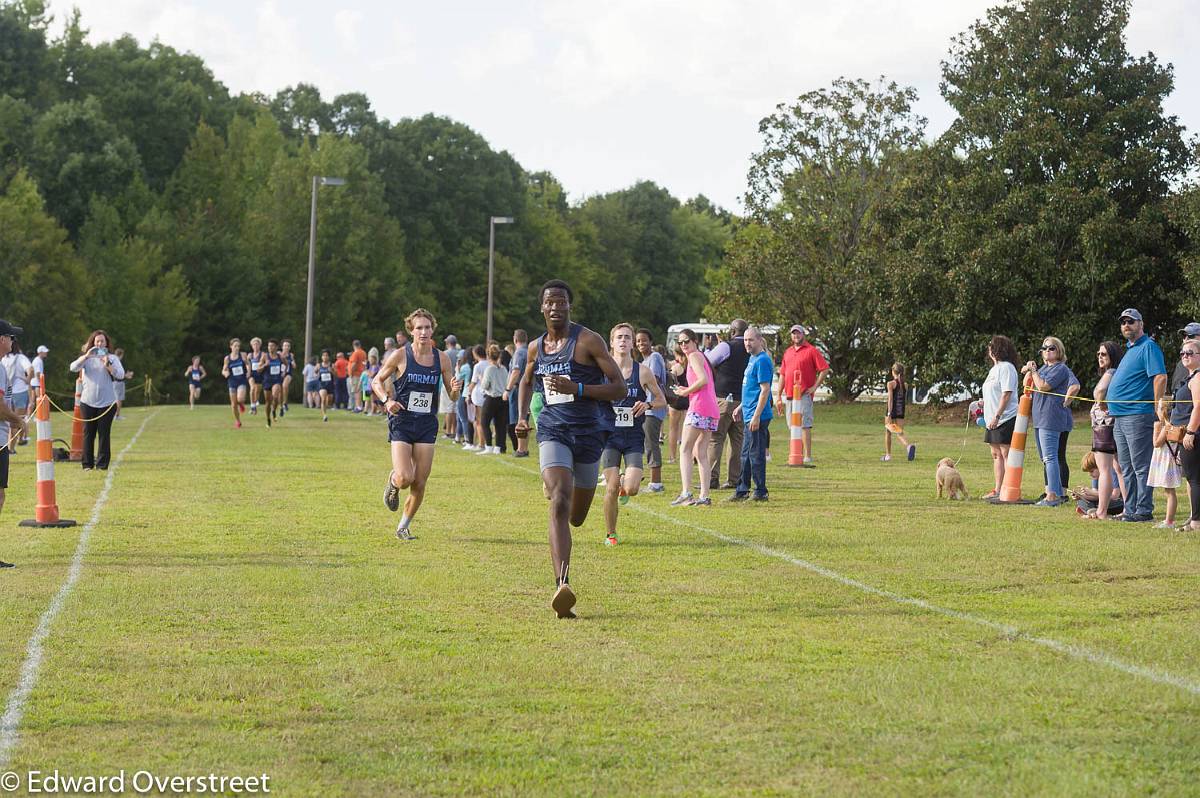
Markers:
<point>46,511</point>
<point>1014,466</point>
<point>77,424</point>
<point>796,427</point>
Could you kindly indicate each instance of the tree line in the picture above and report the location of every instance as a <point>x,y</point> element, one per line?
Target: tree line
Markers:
<point>1061,193</point>
<point>138,195</point>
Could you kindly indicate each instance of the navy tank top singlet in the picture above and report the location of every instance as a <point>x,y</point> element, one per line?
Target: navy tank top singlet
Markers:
<point>621,412</point>
<point>275,368</point>
<point>325,378</point>
<point>566,410</point>
<point>417,390</point>
<point>237,368</point>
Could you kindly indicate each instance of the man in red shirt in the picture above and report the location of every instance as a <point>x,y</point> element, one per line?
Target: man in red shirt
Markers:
<point>341,389</point>
<point>802,365</point>
<point>358,362</point>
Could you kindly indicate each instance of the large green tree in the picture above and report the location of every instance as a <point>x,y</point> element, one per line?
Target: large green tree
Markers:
<point>1050,218</point>
<point>815,254</point>
<point>45,288</point>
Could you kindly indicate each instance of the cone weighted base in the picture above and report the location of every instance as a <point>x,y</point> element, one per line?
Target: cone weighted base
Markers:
<point>62,522</point>
<point>1002,501</point>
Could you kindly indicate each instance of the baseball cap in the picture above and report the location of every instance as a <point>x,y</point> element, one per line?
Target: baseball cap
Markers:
<point>799,328</point>
<point>1193,328</point>
<point>1130,313</point>
<point>10,329</point>
<point>41,350</point>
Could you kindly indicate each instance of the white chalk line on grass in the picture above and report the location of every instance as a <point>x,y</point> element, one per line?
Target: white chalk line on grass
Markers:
<point>14,710</point>
<point>1012,632</point>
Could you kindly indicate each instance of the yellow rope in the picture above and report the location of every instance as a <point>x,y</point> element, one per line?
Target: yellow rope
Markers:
<point>1106,400</point>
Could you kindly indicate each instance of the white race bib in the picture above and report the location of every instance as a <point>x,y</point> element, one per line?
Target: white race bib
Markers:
<point>556,398</point>
<point>624,416</point>
<point>420,402</point>
<point>235,371</point>
<point>274,371</point>
<point>326,377</point>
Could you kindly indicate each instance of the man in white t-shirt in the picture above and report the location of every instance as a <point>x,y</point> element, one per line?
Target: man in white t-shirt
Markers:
<point>39,366</point>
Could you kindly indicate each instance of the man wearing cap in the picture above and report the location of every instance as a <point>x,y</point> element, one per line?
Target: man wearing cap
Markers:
<point>1134,393</point>
<point>802,365</point>
<point>12,425</point>
<point>1191,332</point>
<point>39,367</point>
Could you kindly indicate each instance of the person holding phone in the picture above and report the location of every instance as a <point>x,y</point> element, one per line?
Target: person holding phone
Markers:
<point>99,369</point>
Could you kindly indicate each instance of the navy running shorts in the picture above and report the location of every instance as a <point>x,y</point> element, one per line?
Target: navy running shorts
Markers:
<point>405,427</point>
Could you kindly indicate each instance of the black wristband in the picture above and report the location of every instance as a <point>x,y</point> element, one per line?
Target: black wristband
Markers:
<point>1190,432</point>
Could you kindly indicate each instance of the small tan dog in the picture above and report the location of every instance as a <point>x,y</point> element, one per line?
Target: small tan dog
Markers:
<point>949,481</point>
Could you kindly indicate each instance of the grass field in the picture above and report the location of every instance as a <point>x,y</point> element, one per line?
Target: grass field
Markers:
<point>244,608</point>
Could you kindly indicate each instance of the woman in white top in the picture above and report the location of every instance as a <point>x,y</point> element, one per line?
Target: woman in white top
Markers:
<point>1000,398</point>
<point>99,369</point>
<point>20,375</point>
<point>475,392</point>
<point>495,409</point>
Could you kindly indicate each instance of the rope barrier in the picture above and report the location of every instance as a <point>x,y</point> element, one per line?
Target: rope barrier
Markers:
<point>1164,400</point>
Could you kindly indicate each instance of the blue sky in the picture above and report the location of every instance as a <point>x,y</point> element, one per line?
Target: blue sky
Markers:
<point>602,94</point>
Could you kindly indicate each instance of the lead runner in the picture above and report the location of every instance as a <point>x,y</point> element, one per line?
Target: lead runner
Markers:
<point>568,365</point>
<point>418,369</point>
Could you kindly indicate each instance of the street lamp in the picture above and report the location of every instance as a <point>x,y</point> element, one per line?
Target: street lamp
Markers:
<point>312,258</point>
<point>495,220</point>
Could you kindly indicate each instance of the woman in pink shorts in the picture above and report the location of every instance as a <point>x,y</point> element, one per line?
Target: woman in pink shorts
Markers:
<point>700,423</point>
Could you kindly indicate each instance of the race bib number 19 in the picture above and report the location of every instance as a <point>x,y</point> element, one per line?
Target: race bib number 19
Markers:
<point>420,402</point>
<point>624,416</point>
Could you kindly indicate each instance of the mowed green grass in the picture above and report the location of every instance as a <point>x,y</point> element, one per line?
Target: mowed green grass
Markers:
<point>245,608</point>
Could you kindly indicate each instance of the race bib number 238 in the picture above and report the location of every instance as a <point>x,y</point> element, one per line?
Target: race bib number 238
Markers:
<point>420,402</point>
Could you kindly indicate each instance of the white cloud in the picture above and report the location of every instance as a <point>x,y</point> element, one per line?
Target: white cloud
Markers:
<point>501,50</point>
<point>346,22</point>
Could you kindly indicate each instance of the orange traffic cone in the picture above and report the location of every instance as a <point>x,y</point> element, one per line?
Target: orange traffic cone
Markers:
<point>77,424</point>
<point>1014,466</point>
<point>46,511</point>
<point>795,427</point>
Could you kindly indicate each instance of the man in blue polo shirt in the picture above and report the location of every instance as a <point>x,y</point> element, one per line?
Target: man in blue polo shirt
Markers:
<point>1134,393</point>
<point>756,415</point>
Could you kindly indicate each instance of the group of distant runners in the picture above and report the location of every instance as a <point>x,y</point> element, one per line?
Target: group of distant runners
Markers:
<point>258,376</point>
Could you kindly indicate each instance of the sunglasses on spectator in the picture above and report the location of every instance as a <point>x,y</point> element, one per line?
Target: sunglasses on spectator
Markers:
<point>1102,354</point>
<point>1126,321</point>
<point>1051,348</point>
<point>682,341</point>
<point>1187,354</point>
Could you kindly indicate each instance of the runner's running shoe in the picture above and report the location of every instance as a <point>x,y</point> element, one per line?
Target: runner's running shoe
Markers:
<point>563,601</point>
<point>391,494</point>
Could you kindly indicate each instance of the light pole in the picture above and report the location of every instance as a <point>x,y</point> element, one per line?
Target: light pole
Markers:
<point>495,220</point>
<point>312,258</point>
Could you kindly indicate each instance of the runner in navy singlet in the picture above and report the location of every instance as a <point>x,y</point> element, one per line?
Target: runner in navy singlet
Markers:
<point>236,370</point>
<point>194,374</point>
<point>256,359</point>
<point>568,365</point>
<point>325,378</point>
<point>627,440</point>
<point>272,374</point>
<point>411,404</point>
<point>289,362</point>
